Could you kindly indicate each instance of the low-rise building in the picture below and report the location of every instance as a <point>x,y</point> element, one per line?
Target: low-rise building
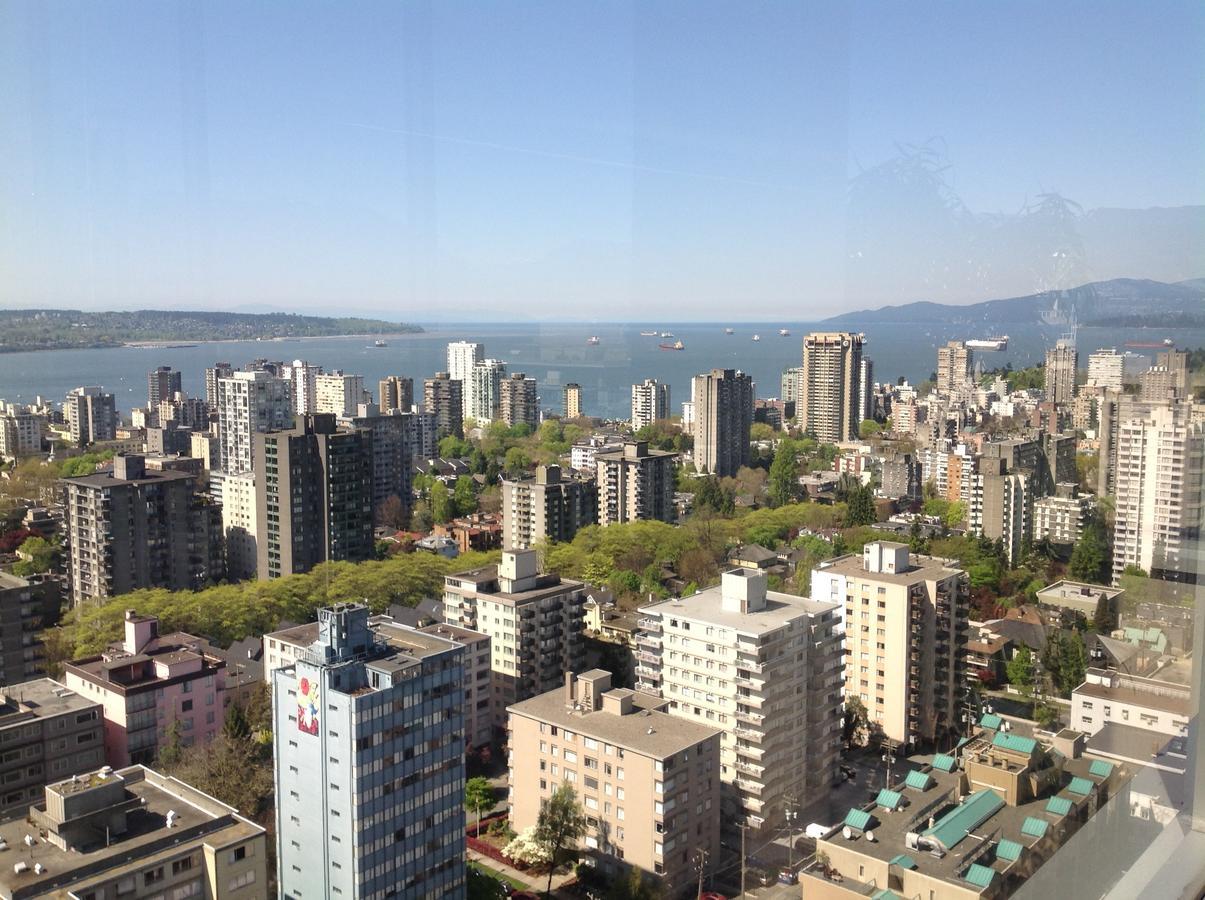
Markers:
<point>48,732</point>
<point>1080,596</point>
<point>649,782</point>
<point>1061,517</point>
<point>150,686</point>
<point>27,606</point>
<point>1161,707</point>
<point>131,833</point>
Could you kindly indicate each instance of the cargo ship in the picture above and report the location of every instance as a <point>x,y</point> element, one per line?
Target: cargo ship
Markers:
<point>785,332</point>
<point>676,345</point>
<point>648,334</point>
<point>993,343</point>
<point>1150,345</point>
<point>592,340</point>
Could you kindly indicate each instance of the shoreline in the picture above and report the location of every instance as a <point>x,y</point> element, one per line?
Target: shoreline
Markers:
<point>184,343</point>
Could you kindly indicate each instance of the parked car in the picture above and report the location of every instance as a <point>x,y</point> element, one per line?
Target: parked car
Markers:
<point>787,876</point>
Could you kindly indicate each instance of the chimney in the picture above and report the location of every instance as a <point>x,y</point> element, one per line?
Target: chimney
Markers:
<point>129,467</point>
<point>743,590</point>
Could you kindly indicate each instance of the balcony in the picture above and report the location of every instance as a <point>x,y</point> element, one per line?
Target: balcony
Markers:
<point>748,734</point>
<point>650,624</point>
<point>648,673</point>
<point>753,787</point>
<point>651,658</point>
<point>648,639</point>
<point>751,700</point>
<point>749,683</point>
<point>749,718</point>
<point>750,769</point>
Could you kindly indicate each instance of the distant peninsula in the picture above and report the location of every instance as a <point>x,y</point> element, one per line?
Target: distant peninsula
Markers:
<point>1124,302</point>
<point>72,329</point>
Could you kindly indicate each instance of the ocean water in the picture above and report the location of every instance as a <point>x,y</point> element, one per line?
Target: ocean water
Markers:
<point>553,354</point>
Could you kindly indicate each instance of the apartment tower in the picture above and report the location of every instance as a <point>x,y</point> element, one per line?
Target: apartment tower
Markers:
<point>829,407</point>
<point>162,383</point>
<point>249,403</point>
<point>547,506</point>
<point>395,393</point>
<point>443,398</point>
<point>635,483</point>
<point>518,402</point>
<point>650,403</point>
<point>573,401</point>
<point>723,415</point>
<point>462,357</point>
<point>954,364</point>
<point>91,415</point>
<point>1061,361</point>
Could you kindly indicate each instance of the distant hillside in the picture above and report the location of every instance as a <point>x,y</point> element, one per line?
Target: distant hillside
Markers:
<point>1120,302</point>
<point>55,329</point>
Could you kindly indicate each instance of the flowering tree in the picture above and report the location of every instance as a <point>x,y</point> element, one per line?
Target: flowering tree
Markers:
<point>528,848</point>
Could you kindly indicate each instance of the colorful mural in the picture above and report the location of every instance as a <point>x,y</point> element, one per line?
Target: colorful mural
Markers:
<point>307,706</point>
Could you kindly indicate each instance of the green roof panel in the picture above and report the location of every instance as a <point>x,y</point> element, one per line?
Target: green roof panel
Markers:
<point>920,781</point>
<point>1058,806</point>
<point>1032,827</point>
<point>1100,769</point>
<point>1009,851</point>
<point>980,876</point>
<point>1014,742</point>
<point>990,720</point>
<point>904,861</point>
<point>976,809</point>
<point>885,894</point>
<point>944,762</point>
<point>1081,786</point>
<point>889,799</point>
<point>857,818</point>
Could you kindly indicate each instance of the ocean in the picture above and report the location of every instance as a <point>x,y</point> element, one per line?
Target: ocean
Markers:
<point>553,354</point>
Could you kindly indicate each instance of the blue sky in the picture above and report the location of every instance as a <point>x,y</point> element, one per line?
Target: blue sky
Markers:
<point>564,159</point>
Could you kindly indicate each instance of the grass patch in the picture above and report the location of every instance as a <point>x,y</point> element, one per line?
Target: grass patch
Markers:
<point>501,876</point>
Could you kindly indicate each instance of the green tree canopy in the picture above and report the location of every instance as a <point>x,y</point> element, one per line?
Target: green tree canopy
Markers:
<point>1090,556</point>
<point>1020,671</point>
<point>784,473</point>
<point>561,823</point>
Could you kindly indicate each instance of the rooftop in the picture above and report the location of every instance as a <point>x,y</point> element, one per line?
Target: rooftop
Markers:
<point>41,698</point>
<point>922,568</point>
<point>707,606</point>
<point>149,797</point>
<point>1161,695</point>
<point>105,479</point>
<point>645,730</point>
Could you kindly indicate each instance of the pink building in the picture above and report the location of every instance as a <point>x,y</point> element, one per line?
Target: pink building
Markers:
<point>146,684</point>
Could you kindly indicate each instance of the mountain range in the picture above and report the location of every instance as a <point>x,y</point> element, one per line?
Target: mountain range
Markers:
<point>1132,302</point>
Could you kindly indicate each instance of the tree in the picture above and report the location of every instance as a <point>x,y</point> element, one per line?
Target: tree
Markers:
<point>422,519</point>
<point>1074,663</point>
<point>1090,556</point>
<point>516,462</point>
<point>868,429</point>
<point>38,555</point>
<point>478,795</point>
<point>560,824</point>
<point>860,509</point>
<point>527,847</point>
<point>236,726</point>
<point>709,495</point>
<point>391,512</point>
<point>784,473</point>
<point>464,497</point>
<point>1020,671</point>
<point>442,508</point>
<point>856,726</point>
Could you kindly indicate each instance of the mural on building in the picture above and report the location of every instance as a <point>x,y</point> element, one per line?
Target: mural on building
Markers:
<point>307,706</point>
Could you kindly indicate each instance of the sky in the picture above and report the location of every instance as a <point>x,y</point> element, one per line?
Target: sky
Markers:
<point>545,160</point>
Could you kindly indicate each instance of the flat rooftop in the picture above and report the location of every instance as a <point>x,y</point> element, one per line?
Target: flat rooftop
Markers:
<point>1171,700</point>
<point>1078,590</point>
<point>707,606</point>
<point>8,582</point>
<point>106,480</point>
<point>198,818</point>
<point>922,568</point>
<point>669,734</point>
<point>297,635</point>
<point>41,698</point>
<point>547,585</point>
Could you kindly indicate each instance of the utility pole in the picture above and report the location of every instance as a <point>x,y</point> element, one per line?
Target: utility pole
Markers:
<point>743,826</point>
<point>700,867</point>
<point>791,812</point>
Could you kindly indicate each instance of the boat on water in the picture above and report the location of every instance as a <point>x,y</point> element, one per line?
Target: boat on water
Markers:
<point>667,334</point>
<point>592,340</point>
<point>648,334</point>
<point>757,337</point>
<point>785,332</point>
<point>1150,345</point>
<point>379,344</point>
<point>728,331</point>
<point>992,343</point>
<point>676,345</point>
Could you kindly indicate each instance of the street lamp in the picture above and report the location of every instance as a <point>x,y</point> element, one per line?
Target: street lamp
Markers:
<point>791,816</point>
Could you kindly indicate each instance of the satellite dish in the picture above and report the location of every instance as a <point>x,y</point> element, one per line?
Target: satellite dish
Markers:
<point>870,836</point>
<point>848,833</point>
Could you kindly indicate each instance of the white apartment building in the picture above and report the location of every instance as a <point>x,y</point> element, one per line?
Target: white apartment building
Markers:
<point>338,393</point>
<point>765,668</point>
<point>483,391</point>
<point>239,525</point>
<point>1110,697</point>
<point>1106,369</point>
<point>462,357</point>
<point>249,403</point>
<point>301,376</point>
<point>1158,491</point>
<point>533,620</point>
<point>1061,517</point>
<point>650,402</point>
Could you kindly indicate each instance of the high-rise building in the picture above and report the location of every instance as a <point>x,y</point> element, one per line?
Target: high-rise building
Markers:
<point>369,771</point>
<point>546,506</point>
<point>425,434</point>
<point>954,364</point>
<point>91,415</point>
<point>240,525</point>
<point>162,383</point>
<point>392,457</point>
<point>518,402</point>
<point>338,393</point>
<point>1106,369</point>
<point>185,411</point>
<point>1061,517</point>
<point>534,622</point>
<point>130,528</point>
<point>1166,380</point>
<point>1159,493</point>
<point>1061,361</point>
<point>27,608</point>
<point>462,357</point>
<point>395,393</point>
<point>866,389</point>
<point>485,390</point>
<point>48,732</point>
<point>764,667</point>
<point>829,407</point>
<point>905,623</point>
<point>573,400</point>
<point>212,374</point>
<point>1001,506</point>
<point>249,403</point>
<point>149,683</point>
<point>650,403</point>
<point>791,385</point>
<point>635,482</point>
<point>442,398</point>
<point>20,431</point>
<point>303,381</point>
<point>723,415</point>
<point>629,763</point>
<point>131,833</point>
<point>313,497</point>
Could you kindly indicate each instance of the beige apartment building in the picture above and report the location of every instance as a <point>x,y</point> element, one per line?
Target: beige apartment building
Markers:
<point>546,505</point>
<point>635,483</point>
<point>765,668</point>
<point>905,620</point>
<point>954,363</point>
<point>649,782</point>
<point>829,407</point>
<point>533,619</point>
<point>722,415</point>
